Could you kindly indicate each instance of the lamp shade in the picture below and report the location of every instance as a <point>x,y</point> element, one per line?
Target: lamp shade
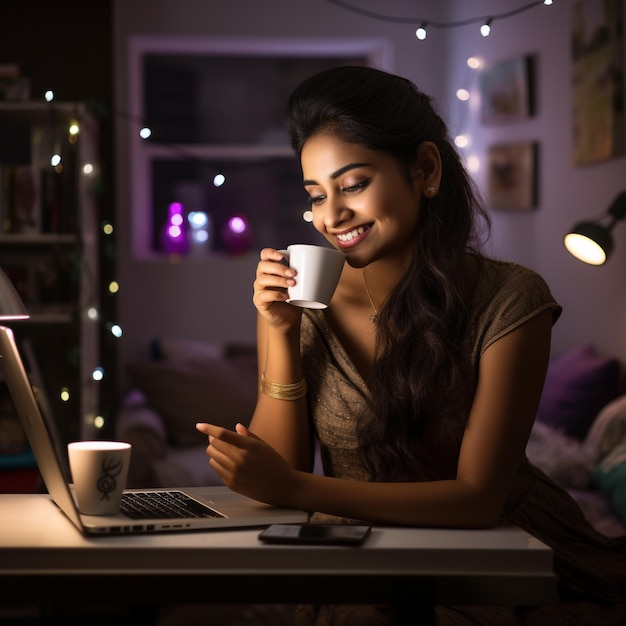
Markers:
<point>589,242</point>
<point>11,305</point>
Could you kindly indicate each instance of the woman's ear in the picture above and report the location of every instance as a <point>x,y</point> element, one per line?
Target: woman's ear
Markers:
<point>427,169</point>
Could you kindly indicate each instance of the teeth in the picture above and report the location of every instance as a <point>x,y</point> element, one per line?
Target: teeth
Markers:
<point>352,234</point>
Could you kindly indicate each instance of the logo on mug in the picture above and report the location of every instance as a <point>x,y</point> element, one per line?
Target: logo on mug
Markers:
<point>111,467</point>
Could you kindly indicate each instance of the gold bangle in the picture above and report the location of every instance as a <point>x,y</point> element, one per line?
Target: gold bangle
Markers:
<point>292,391</point>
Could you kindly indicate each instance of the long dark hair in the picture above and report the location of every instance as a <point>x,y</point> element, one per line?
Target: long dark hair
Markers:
<point>421,369</point>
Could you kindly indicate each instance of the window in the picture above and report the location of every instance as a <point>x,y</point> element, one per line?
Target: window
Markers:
<point>218,156</point>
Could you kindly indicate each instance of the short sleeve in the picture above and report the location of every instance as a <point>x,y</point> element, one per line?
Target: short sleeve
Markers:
<point>507,296</point>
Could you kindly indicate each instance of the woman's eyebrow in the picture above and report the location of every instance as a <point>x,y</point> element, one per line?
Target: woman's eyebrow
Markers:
<point>339,172</point>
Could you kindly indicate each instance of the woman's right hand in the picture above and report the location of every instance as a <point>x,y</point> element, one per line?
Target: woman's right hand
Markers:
<point>270,291</point>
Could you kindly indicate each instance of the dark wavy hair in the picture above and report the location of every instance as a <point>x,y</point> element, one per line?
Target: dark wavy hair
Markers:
<point>421,369</point>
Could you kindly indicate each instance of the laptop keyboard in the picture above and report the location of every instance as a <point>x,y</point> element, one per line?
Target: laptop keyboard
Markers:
<point>163,505</point>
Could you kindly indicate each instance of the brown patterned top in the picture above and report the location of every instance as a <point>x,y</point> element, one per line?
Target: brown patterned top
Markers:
<point>507,295</point>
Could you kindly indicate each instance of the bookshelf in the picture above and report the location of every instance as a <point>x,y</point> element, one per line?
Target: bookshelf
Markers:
<point>49,250</point>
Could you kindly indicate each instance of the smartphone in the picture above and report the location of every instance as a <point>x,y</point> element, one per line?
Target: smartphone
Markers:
<point>315,534</point>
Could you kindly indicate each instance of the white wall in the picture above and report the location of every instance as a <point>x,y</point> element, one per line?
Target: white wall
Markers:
<point>593,298</point>
<point>211,298</point>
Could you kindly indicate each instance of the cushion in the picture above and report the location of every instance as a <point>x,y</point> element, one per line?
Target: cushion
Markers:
<point>562,458</point>
<point>607,430</point>
<point>611,476</point>
<point>184,392</point>
<point>578,385</point>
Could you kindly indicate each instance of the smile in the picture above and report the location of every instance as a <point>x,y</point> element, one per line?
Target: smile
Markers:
<point>352,234</point>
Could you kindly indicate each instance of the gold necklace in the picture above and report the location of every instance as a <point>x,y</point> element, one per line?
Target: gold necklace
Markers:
<point>369,295</point>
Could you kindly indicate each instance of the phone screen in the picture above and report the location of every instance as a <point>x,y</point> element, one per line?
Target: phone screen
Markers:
<point>338,534</point>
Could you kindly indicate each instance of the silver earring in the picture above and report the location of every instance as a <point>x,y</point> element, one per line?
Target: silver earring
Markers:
<point>431,190</point>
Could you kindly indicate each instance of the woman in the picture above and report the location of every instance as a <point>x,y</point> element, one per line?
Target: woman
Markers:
<point>422,378</point>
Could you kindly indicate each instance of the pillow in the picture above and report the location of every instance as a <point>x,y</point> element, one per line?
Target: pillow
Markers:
<point>607,430</point>
<point>562,458</point>
<point>183,393</point>
<point>578,385</point>
<point>611,476</point>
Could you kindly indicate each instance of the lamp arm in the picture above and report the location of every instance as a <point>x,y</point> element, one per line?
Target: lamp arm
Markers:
<point>618,209</point>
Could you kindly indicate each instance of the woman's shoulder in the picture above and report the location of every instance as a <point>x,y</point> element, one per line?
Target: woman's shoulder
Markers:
<point>509,279</point>
<point>507,294</point>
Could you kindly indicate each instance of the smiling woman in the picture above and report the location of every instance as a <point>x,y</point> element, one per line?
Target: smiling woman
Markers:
<point>429,408</point>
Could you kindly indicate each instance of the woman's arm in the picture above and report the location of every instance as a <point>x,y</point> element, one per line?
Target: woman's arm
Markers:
<point>510,381</point>
<point>282,423</point>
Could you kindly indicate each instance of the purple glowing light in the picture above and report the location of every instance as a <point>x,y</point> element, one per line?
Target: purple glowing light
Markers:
<point>237,225</point>
<point>174,238</point>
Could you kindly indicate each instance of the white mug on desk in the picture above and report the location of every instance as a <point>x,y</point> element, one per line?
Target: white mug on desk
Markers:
<point>99,470</point>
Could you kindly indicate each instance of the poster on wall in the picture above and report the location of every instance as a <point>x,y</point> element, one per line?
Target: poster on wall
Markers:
<point>597,81</point>
<point>512,175</point>
<point>506,91</point>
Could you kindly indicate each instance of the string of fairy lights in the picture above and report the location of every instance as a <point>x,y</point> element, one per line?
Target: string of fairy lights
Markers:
<point>73,128</point>
<point>424,25</point>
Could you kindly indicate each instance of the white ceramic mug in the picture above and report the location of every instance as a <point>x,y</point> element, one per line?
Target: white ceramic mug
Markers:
<point>99,470</point>
<point>319,269</point>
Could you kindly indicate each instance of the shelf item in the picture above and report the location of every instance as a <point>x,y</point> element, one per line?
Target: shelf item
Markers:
<point>49,249</point>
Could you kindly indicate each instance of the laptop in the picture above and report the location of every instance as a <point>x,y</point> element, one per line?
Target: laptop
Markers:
<point>210,507</point>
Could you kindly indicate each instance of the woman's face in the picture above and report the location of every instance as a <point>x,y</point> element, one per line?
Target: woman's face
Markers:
<point>361,201</point>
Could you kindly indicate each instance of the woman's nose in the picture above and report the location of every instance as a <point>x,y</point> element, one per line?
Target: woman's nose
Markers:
<point>335,212</point>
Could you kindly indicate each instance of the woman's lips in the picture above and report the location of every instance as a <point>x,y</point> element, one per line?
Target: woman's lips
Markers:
<point>353,237</point>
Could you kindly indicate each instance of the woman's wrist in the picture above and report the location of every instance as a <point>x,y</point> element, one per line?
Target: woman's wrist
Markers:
<point>283,391</point>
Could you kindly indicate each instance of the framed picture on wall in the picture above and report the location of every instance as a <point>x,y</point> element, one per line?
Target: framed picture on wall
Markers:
<point>507,91</point>
<point>512,176</point>
<point>598,116</point>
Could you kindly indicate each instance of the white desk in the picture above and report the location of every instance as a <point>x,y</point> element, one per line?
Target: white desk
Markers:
<point>44,559</point>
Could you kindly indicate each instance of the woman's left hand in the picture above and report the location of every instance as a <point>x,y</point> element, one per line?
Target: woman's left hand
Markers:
<point>249,466</point>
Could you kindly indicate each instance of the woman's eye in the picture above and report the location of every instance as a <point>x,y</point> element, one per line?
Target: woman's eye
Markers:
<point>316,199</point>
<point>356,187</point>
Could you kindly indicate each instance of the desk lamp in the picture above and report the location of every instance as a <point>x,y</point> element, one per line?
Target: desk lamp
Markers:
<point>11,305</point>
<point>591,241</point>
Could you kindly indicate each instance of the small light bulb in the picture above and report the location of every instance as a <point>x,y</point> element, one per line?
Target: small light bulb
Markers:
<point>65,394</point>
<point>145,132</point>
<point>88,169</point>
<point>473,164</point>
<point>198,219</point>
<point>462,94</point>
<point>98,374</point>
<point>485,29</point>
<point>74,129</point>
<point>474,63</point>
<point>98,422</point>
<point>420,33</point>
<point>114,286</point>
<point>55,160</point>
<point>49,95</point>
<point>219,180</point>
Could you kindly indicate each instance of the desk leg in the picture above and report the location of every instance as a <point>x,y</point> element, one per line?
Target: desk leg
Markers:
<point>413,602</point>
